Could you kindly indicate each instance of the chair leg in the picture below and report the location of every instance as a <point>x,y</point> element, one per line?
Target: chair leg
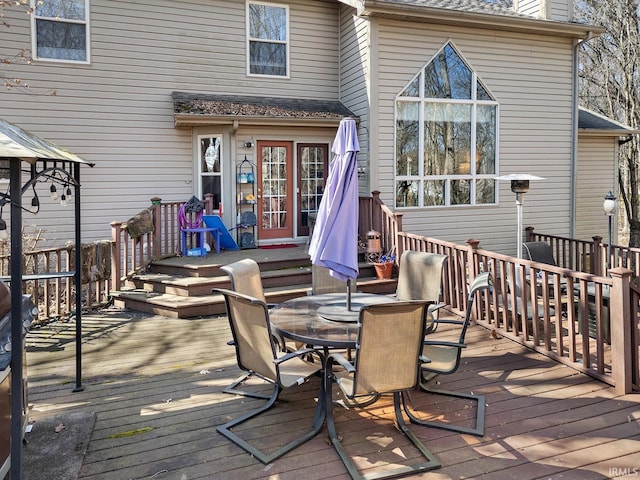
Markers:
<point>264,457</point>
<point>232,388</point>
<point>431,463</point>
<point>480,410</point>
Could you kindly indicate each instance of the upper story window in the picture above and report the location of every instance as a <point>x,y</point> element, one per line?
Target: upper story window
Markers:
<point>446,137</point>
<point>61,30</point>
<point>267,39</point>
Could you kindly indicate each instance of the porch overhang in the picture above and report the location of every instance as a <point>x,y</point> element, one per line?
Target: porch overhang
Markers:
<point>596,125</point>
<point>470,14</point>
<point>193,109</point>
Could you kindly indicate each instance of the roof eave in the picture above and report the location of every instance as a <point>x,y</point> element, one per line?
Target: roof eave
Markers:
<point>195,120</point>
<point>418,13</point>
<point>593,132</point>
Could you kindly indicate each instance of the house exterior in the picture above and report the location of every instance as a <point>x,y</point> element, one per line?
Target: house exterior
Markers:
<point>168,98</point>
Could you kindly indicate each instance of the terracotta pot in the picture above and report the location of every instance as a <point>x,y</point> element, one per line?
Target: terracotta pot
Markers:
<point>383,270</point>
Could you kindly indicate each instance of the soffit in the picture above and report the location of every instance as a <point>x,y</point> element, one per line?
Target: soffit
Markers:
<point>472,13</point>
<point>192,109</point>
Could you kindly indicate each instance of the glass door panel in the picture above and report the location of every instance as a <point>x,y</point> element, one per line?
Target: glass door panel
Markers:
<point>275,189</point>
<point>312,172</point>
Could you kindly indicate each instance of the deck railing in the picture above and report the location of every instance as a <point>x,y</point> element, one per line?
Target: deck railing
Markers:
<point>589,256</point>
<point>156,235</point>
<point>48,276</point>
<point>587,321</point>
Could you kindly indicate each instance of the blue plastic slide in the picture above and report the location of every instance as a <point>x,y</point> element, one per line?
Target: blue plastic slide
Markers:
<point>226,240</point>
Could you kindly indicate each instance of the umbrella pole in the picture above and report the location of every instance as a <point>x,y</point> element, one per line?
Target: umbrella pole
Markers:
<point>348,295</point>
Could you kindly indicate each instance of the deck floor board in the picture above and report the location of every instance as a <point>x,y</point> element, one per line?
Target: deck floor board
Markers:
<point>156,384</point>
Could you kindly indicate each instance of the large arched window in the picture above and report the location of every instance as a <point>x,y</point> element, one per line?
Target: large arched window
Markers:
<point>446,136</point>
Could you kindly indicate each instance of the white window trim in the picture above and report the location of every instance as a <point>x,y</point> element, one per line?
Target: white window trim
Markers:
<point>199,173</point>
<point>421,177</point>
<point>287,42</point>
<point>34,36</point>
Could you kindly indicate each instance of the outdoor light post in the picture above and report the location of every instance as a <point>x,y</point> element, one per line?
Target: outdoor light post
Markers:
<point>519,186</point>
<point>609,207</point>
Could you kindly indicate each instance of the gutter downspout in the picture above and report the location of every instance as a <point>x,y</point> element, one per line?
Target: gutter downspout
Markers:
<point>574,134</point>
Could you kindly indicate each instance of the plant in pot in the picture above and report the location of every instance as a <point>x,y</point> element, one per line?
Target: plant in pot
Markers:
<point>383,263</point>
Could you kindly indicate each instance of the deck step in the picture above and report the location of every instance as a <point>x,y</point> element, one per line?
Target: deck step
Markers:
<point>181,287</point>
<point>180,306</point>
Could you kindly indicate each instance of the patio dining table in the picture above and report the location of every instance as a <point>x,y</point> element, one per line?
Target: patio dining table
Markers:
<point>323,320</point>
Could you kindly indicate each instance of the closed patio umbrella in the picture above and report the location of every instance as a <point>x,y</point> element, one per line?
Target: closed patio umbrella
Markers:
<point>334,242</point>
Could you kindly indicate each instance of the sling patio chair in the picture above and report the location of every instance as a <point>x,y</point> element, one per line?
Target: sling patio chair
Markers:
<point>420,278</point>
<point>387,361</point>
<point>541,252</point>
<point>256,353</point>
<point>246,280</point>
<point>322,282</point>
<point>443,358</point>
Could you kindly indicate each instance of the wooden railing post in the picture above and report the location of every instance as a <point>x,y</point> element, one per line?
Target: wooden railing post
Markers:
<point>621,323</point>
<point>116,261</point>
<point>156,203</point>
<point>208,203</point>
<point>596,256</point>
<point>397,217</point>
<point>529,235</point>
<point>376,212</point>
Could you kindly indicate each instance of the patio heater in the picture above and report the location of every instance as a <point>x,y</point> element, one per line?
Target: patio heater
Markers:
<point>519,186</point>
<point>609,207</point>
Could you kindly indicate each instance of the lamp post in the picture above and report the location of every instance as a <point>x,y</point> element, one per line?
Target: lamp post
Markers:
<point>609,207</point>
<point>519,186</point>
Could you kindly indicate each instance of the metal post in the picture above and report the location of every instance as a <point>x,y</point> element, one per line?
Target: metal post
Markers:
<point>16,319</point>
<point>519,202</point>
<point>78,279</point>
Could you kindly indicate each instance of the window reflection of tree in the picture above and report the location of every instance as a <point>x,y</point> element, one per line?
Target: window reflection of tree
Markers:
<point>452,118</point>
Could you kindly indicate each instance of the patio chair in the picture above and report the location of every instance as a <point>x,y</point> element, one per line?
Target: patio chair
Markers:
<point>245,279</point>
<point>539,252</point>
<point>386,361</point>
<point>420,278</point>
<point>256,354</point>
<point>322,282</point>
<point>443,358</point>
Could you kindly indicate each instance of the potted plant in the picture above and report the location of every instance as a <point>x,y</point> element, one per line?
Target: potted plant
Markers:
<point>383,263</point>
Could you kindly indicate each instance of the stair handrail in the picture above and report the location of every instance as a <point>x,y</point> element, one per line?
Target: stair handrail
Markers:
<point>132,254</point>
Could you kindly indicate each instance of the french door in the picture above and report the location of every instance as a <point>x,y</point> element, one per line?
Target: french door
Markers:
<point>313,161</point>
<point>275,189</point>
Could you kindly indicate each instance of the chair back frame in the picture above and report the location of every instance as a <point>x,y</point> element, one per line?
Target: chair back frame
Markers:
<point>245,278</point>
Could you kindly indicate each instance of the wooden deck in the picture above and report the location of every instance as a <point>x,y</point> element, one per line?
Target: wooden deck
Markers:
<point>155,384</point>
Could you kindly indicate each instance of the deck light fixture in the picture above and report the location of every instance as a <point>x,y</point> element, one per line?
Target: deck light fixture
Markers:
<point>519,186</point>
<point>609,207</point>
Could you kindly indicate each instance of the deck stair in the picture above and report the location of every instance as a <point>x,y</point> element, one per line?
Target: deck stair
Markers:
<point>180,287</point>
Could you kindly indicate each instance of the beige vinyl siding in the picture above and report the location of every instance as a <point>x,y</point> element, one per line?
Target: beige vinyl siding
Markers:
<point>561,10</point>
<point>595,178</point>
<point>354,80</point>
<point>529,7</point>
<point>117,111</point>
<point>530,77</point>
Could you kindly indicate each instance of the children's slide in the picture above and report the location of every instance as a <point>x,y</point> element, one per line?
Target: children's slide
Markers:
<point>226,240</point>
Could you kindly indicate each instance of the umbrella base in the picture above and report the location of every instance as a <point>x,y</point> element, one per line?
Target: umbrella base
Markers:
<point>337,312</point>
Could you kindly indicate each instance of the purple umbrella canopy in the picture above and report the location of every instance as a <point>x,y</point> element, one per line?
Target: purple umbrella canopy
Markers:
<point>334,242</point>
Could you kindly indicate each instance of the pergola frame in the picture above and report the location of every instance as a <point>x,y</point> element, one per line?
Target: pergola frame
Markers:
<point>51,164</point>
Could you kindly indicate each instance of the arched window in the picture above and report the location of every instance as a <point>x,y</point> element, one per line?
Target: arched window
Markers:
<point>446,136</point>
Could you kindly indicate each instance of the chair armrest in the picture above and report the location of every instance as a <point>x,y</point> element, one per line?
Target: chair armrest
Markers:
<point>434,307</point>
<point>452,322</point>
<point>424,359</point>
<point>297,353</point>
<point>436,343</point>
<point>344,363</point>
